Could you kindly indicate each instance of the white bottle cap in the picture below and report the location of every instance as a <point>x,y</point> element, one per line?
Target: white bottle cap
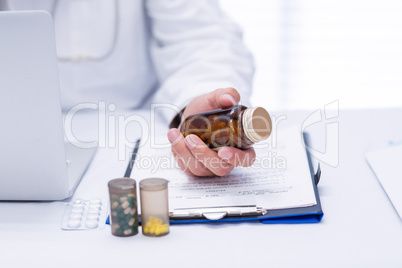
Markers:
<point>257,124</point>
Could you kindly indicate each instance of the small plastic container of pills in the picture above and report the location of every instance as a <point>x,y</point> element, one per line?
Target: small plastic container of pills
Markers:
<point>154,207</point>
<point>123,207</point>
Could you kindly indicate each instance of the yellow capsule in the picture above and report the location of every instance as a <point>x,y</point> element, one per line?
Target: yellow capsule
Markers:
<point>155,226</point>
<point>150,223</point>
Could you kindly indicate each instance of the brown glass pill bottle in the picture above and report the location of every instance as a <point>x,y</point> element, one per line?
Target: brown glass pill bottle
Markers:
<point>238,126</point>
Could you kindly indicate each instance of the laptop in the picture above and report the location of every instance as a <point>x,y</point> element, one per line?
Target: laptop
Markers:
<point>35,162</point>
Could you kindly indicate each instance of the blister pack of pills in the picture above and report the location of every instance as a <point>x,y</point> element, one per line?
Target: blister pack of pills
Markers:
<point>85,214</point>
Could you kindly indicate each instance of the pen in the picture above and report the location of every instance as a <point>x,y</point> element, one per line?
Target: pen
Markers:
<point>217,213</point>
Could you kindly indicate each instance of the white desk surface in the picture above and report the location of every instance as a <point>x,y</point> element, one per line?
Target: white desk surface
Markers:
<point>360,227</point>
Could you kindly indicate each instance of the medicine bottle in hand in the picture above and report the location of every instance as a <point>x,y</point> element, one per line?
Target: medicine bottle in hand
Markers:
<point>238,126</point>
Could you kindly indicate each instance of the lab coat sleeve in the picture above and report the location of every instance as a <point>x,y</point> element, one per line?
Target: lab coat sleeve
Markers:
<point>196,49</point>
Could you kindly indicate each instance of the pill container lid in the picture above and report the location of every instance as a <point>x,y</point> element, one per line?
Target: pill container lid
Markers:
<point>121,184</point>
<point>257,124</point>
<point>153,184</point>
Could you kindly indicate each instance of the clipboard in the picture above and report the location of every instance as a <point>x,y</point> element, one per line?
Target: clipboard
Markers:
<point>311,214</point>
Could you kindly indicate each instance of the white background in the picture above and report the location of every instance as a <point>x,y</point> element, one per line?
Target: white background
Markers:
<point>311,52</point>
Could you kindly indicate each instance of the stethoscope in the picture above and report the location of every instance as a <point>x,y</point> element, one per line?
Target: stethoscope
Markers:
<point>108,52</point>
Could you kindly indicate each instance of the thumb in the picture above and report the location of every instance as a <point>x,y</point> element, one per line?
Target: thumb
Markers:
<point>219,98</point>
<point>223,98</point>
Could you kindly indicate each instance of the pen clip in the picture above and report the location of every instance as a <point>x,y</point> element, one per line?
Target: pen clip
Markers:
<point>317,175</point>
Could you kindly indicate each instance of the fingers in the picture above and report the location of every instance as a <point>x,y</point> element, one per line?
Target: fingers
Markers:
<point>195,158</point>
<point>237,157</point>
<point>223,97</point>
<point>187,162</point>
<point>219,98</point>
<point>207,157</point>
<point>181,164</point>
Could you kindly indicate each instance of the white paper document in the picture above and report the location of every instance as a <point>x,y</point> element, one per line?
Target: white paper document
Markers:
<point>386,164</point>
<point>280,177</point>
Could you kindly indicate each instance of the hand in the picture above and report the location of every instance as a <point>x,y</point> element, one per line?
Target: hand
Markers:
<point>192,155</point>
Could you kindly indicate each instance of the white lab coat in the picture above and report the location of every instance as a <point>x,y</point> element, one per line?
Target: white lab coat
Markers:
<point>165,51</point>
